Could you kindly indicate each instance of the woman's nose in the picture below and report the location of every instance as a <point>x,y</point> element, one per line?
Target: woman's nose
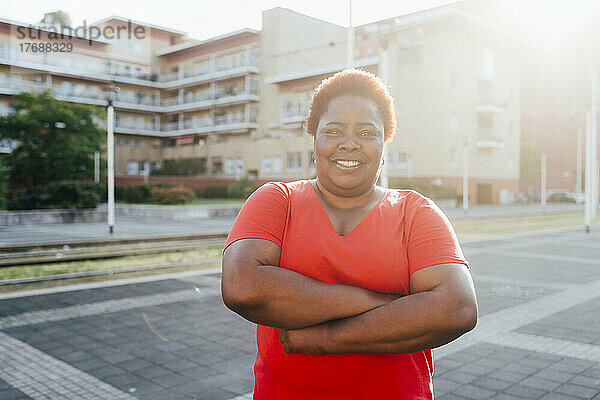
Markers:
<point>349,144</point>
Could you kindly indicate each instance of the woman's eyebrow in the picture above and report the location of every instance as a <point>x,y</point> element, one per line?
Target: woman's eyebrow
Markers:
<point>336,123</point>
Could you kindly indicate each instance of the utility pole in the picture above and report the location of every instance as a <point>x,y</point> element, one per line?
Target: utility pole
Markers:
<point>543,181</point>
<point>110,154</point>
<point>578,189</point>
<point>588,172</point>
<point>465,182</point>
<point>350,39</point>
<point>594,145</point>
<point>96,166</point>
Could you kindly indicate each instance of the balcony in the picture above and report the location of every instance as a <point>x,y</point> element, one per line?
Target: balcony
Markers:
<point>137,128</point>
<point>204,99</point>
<point>490,105</point>
<point>216,68</point>
<point>15,86</point>
<point>293,113</point>
<point>61,65</point>
<point>488,138</point>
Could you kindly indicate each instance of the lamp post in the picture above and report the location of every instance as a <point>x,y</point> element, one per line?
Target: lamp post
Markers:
<point>465,177</point>
<point>112,95</point>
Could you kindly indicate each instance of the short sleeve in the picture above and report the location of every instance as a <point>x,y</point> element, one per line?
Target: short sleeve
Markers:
<point>263,215</point>
<point>431,239</point>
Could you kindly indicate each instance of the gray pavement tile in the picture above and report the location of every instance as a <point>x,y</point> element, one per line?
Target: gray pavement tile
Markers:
<point>554,375</point>
<point>55,300</point>
<point>586,381</point>
<point>558,396</point>
<point>8,392</point>
<point>528,268</point>
<point>458,376</point>
<point>199,372</point>
<point>540,383</point>
<point>153,372</point>
<point>592,372</point>
<point>578,323</point>
<point>491,383</point>
<point>504,396</point>
<point>179,365</point>
<point>215,394</point>
<point>526,392</point>
<point>578,390</point>
<point>474,392</point>
<point>442,385</point>
<point>171,380</point>
<point>12,394</point>
<point>451,397</point>
<point>135,364</point>
<point>492,296</point>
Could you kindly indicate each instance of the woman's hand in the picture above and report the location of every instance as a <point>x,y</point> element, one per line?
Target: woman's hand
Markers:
<point>306,340</point>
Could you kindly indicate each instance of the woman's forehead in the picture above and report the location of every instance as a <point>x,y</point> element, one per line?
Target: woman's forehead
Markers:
<point>351,107</point>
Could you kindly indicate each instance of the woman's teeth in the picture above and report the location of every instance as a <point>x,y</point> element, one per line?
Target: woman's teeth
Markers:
<point>348,164</point>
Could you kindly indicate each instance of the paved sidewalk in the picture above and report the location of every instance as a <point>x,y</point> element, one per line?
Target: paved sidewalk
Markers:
<point>538,336</point>
<point>128,227</point>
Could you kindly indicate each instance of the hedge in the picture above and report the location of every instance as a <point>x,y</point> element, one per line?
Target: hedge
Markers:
<point>60,195</point>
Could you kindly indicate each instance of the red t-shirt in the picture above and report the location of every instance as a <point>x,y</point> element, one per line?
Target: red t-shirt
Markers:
<point>403,233</point>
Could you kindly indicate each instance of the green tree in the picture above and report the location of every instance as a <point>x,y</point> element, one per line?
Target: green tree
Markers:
<point>55,140</point>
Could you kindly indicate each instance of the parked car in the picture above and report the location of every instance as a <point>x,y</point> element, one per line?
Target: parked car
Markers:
<point>564,195</point>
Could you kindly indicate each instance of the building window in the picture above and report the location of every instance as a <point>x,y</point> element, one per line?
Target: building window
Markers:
<point>454,80</point>
<point>294,161</point>
<point>488,63</point>
<point>132,168</point>
<point>453,158</point>
<point>271,164</point>
<point>234,167</point>
<point>402,160</point>
<point>454,122</point>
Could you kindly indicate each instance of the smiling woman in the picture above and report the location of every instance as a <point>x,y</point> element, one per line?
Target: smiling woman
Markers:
<point>351,284</point>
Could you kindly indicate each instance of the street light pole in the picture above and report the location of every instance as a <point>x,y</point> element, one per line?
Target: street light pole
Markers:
<point>110,155</point>
<point>465,182</point>
<point>543,184</point>
<point>350,39</point>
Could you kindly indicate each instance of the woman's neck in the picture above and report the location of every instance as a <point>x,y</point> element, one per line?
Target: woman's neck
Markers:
<point>343,202</point>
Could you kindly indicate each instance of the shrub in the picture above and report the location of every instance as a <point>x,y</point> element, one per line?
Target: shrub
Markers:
<point>176,195</point>
<point>240,189</point>
<point>426,188</point>
<point>216,191</point>
<point>61,195</point>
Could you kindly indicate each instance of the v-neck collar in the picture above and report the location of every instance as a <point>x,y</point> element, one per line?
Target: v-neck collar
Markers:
<point>324,213</point>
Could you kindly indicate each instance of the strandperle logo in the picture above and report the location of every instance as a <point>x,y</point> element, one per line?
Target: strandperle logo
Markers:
<point>84,31</point>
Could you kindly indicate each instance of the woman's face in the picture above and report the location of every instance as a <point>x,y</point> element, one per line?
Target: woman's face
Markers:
<point>348,146</point>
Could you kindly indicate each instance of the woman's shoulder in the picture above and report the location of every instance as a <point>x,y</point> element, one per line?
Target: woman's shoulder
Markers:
<point>283,189</point>
<point>406,197</point>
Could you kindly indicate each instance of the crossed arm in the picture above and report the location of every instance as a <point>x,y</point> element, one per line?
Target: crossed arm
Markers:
<point>316,317</point>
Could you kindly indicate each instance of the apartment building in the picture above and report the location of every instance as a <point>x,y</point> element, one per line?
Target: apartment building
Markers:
<point>453,77</point>
<point>236,102</point>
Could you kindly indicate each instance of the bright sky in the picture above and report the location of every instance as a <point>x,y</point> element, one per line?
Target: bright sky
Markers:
<point>203,19</point>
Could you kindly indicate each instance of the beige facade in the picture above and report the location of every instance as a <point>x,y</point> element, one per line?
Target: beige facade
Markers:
<point>238,101</point>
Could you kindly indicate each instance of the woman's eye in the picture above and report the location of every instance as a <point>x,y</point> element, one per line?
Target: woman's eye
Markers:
<point>366,133</point>
<point>333,131</point>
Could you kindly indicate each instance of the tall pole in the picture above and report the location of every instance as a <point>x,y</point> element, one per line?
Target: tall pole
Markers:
<point>96,166</point>
<point>384,75</point>
<point>543,184</point>
<point>578,189</point>
<point>588,172</point>
<point>465,182</point>
<point>350,39</point>
<point>110,152</point>
<point>594,145</point>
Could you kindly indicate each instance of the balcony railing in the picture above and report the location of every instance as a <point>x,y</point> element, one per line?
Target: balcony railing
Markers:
<point>488,138</point>
<point>220,64</point>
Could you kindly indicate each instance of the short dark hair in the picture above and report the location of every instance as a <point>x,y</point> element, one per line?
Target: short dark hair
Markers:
<point>352,82</point>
